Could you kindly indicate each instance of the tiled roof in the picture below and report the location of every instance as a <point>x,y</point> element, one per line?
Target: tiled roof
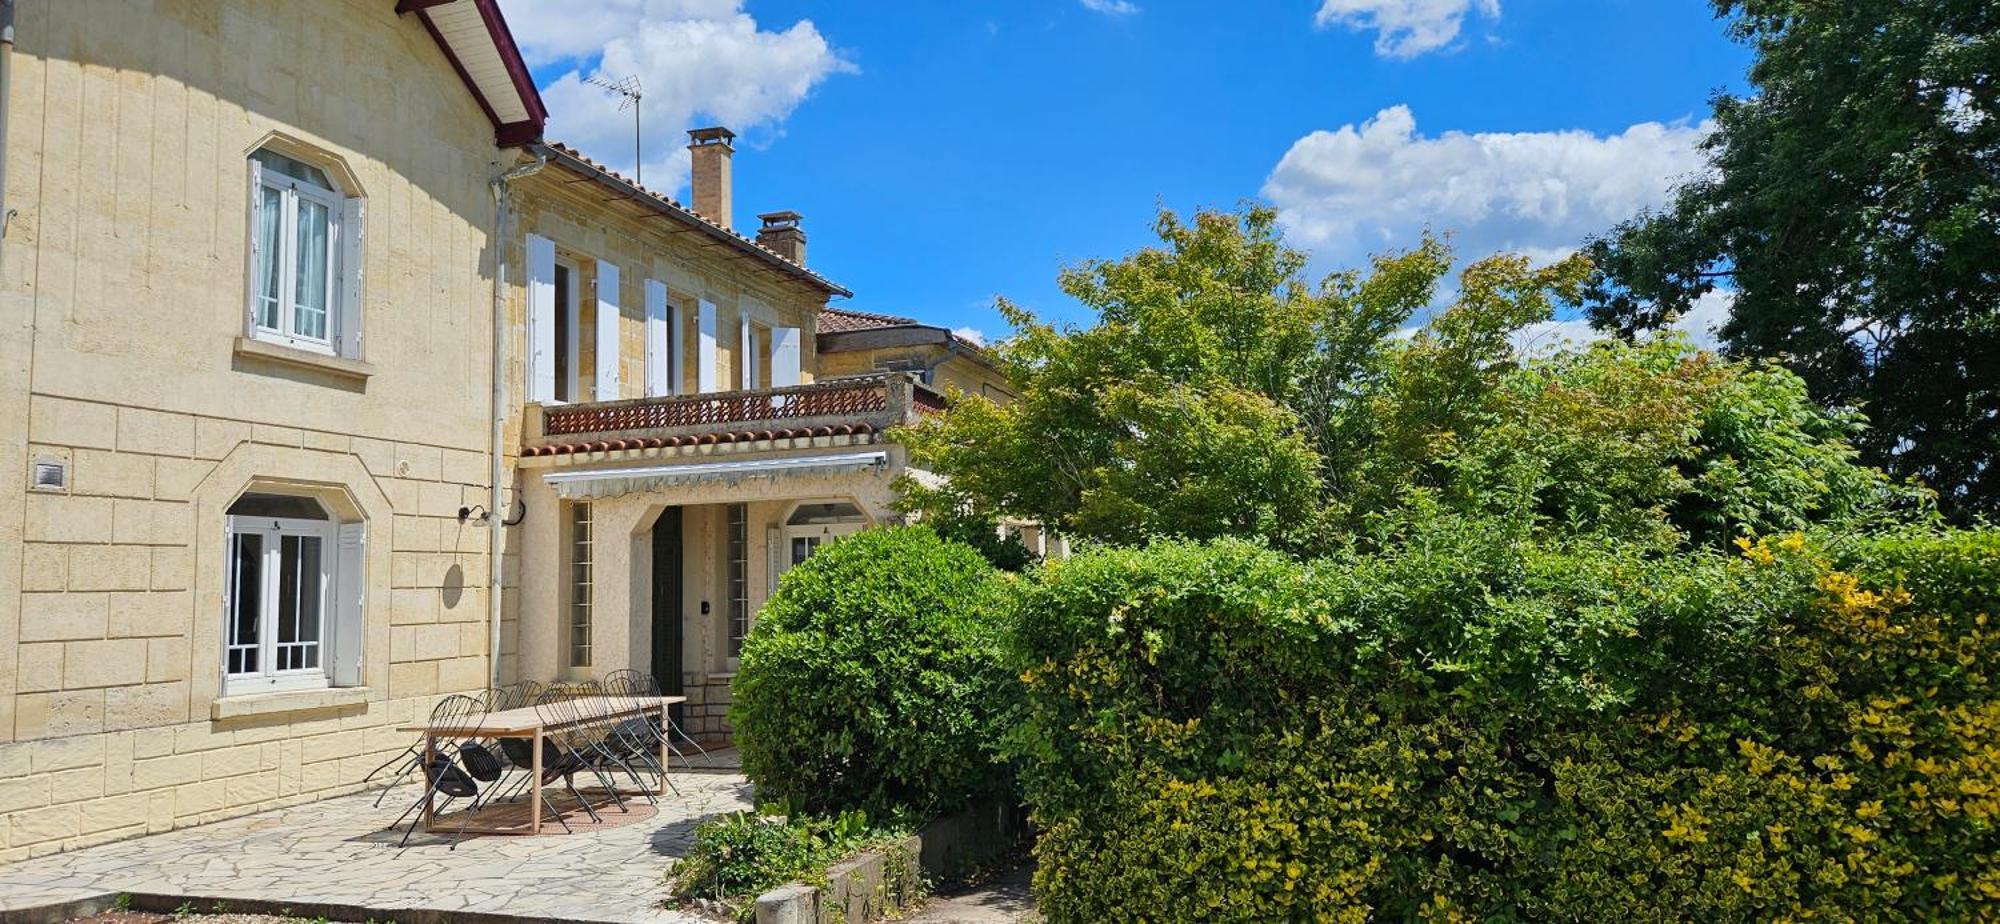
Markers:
<point>722,437</point>
<point>842,320</point>
<point>667,204</point>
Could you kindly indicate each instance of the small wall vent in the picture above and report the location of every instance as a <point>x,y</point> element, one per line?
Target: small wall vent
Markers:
<point>50,475</point>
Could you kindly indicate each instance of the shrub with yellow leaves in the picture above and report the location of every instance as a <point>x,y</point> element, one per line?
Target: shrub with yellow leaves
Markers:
<point>1481,727</point>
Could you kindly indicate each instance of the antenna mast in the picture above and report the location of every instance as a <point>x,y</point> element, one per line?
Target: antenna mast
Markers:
<point>629,89</point>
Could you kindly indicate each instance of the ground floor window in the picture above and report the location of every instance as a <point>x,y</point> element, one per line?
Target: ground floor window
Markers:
<point>738,554</point>
<point>813,525</point>
<point>581,584</point>
<point>280,593</point>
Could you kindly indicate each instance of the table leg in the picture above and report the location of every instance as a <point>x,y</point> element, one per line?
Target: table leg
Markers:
<point>535,786</point>
<point>667,747</point>
<point>430,792</point>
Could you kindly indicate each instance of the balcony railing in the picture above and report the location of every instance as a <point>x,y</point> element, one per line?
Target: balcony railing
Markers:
<point>860,404</point>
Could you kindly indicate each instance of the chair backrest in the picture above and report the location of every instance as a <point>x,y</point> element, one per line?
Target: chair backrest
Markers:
<point>557,707</point>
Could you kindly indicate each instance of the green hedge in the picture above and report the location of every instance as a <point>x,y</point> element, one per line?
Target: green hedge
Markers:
<point>1485,728</point>
<point>875,679</point>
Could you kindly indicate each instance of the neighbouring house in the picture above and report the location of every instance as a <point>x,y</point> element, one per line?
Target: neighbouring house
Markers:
<point>858,342</point>
<point>324,379</point>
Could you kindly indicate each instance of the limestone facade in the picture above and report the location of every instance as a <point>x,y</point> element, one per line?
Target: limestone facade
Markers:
<point>142,399</point>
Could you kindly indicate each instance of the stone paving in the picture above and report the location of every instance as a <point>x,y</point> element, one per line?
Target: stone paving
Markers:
<point>337,852</point>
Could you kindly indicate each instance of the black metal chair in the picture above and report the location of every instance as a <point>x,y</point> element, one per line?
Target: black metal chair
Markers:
<point>639,683</point>
<point>411,757</point>
<point>576,749</point>
<point>452,721</point>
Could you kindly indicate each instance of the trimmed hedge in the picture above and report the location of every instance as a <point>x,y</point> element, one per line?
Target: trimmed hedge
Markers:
<point>875,679</point>
<point>1486,728</point>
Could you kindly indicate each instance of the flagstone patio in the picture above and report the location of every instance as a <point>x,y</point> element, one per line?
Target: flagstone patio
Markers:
<point>336,852</point>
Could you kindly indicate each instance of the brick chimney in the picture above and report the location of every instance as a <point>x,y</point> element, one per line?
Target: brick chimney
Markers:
<point>781,232</point>
<point>711,149</point>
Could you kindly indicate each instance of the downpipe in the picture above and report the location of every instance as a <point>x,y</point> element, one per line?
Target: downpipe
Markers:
<point>496,520</point>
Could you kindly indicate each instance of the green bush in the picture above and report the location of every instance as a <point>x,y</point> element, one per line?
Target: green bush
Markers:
<point>739,856</point>
<point>875,678</point>
<point>1480,726</point>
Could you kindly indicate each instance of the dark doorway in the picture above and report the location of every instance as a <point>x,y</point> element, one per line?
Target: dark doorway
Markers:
<point>667,633</point>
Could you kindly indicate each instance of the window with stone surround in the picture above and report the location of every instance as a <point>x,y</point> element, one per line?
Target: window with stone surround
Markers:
<point>290,620</point>
<point>305,257</point>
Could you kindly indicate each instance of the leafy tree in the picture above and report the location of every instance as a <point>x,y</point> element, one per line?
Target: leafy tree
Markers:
<point>1219,394</point>
<point>1853,206</point>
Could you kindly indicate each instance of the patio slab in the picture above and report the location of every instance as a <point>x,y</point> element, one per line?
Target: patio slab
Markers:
<point>337,852</point>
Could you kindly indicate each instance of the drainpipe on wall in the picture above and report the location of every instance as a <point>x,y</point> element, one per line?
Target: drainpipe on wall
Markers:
<point>495,515</point>
<point>6,90</point>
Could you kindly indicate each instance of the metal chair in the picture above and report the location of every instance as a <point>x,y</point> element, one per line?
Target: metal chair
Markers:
<point>411,757</point>
<point>442,773</point>
<point>639,683</point>
<point>575,749</point>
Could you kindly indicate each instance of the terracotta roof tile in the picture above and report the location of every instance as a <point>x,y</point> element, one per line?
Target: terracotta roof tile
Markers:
<point>842,320</point>
<point>661,199</point>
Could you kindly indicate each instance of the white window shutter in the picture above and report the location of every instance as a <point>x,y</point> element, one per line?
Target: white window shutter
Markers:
<point>656,339</point>
<point>676,338</point>
<point>784,357</point>
<point>704,370</point>
<point>746,356</point>
<point>256,247</point>
<point>607,331</point>
<point>541,319</point>
<point>349,605</point>
<point>353,265</point>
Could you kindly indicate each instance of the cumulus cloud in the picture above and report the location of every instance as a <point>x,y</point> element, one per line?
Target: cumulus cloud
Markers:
<point>1357,190</point>
<point>1700,324</point>
<point>698,62</point>
<point>972,335</point>
<point>1111,7</point>
<point>1404,29</point>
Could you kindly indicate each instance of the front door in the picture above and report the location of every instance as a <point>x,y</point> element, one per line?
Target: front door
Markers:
<point>667,630</point>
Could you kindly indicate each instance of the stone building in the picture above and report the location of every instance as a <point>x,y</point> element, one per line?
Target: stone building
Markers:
<point>323,378</point>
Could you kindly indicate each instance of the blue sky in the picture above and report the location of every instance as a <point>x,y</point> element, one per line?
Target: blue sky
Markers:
<point>947,153</point>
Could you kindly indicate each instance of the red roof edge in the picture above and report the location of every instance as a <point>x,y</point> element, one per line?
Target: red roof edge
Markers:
<point>505,134</point>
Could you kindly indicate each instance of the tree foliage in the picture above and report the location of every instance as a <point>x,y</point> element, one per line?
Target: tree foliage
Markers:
<point>1853,207</point>
<point>1220,393</point>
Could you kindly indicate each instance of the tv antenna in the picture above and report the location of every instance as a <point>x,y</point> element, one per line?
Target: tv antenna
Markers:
<point>629,89</point>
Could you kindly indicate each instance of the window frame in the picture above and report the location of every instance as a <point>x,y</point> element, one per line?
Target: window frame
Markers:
<point>290,190</point>
<point>272,531</point>
<point>580,628</point>
<point>569,323</point>
<point>739,620</point>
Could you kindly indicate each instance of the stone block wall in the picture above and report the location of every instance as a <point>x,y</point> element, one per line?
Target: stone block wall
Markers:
<point>117,728</point>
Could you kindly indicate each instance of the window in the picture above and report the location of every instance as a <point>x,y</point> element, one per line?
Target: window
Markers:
<point>279,595</point>
<point>300,226</point>
<point>813,525</point>
<point>739,578</point>
<point>580,584</point>
<point>567,346</point>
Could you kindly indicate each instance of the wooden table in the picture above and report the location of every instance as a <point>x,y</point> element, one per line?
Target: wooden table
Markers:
<point>527,722</point>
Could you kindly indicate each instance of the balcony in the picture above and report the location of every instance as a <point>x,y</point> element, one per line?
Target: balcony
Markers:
<point>845,410</point>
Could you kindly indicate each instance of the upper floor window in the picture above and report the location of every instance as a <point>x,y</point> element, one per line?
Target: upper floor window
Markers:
<point>305,257</point>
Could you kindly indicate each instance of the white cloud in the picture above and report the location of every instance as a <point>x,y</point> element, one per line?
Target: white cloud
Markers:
<point>1358,190</point>
<point>972,335</point>
<point>1404,29</point>
<point>1700,324</point>
<point>1111,7</point>
<point>698,62</point>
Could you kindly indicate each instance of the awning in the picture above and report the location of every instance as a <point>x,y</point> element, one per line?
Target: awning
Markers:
<point>612,482</point>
